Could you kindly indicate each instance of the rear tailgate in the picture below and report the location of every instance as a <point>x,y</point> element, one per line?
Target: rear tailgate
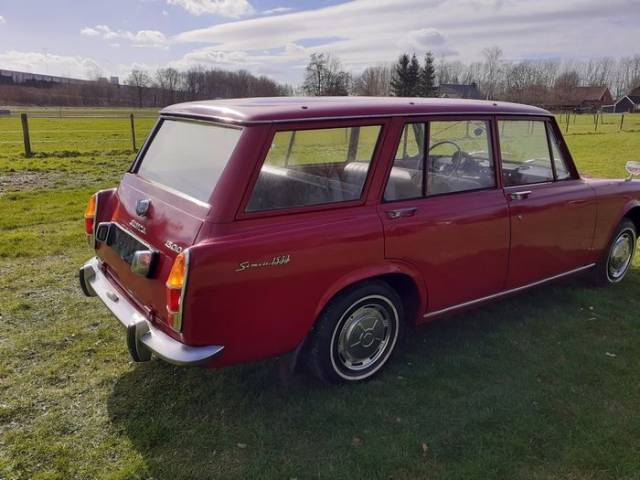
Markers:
<point>170,224</point>
<point>163,202</point>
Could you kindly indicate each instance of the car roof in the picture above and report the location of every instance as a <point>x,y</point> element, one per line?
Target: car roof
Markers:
<point>284,109</point>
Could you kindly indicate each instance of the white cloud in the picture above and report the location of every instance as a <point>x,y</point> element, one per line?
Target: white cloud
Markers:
<point>224,8</point>
<point>421,40</point>
<point>277,10</point>
<point>60,65</point>
<point>366,32</point>
<point>2,20</point>
<point>142,38</point>
<point>165,13</point>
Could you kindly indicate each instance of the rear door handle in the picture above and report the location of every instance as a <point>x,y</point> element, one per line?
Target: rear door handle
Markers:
<point>520,195</point>
<point>402,212</point>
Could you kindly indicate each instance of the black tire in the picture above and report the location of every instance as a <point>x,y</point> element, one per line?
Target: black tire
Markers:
<point>367,318</point>
<point>604,274</point>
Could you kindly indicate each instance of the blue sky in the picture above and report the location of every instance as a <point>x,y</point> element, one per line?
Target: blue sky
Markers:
<point>275,37</point>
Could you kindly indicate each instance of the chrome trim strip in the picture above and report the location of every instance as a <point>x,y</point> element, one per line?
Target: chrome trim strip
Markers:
<point>145,336</point>
<point>507,292</point>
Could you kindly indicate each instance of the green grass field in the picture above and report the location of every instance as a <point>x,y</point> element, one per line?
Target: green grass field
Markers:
<point>541,386</point>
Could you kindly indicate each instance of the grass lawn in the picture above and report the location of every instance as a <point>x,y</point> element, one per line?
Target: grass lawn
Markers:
<point>541,386</point>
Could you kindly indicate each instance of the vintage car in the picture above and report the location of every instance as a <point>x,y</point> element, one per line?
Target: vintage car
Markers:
<point>324,227</point>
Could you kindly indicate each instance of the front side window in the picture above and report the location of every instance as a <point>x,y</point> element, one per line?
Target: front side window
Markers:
<point>189,157</point>
<point>314,167</point>
<point>458,159</point>
<point>525,152</point>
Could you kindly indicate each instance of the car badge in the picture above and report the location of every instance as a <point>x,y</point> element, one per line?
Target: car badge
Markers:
<point>142,207</point>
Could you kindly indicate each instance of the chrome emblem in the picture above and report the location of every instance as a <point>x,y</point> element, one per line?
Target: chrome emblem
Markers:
<point>142,207</point>
<point>138,226</point>
<point>274,262</point>
<point>173,246</point>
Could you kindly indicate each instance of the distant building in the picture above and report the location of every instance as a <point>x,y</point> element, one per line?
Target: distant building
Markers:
<point>12,77</point>
<point>628,103</point>
<point>114,80</point>
<point>455,90</point>
<point>581,99</point>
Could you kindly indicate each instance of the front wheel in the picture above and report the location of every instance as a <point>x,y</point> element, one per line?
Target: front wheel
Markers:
<point>356,333</point>
<point>616,261</point>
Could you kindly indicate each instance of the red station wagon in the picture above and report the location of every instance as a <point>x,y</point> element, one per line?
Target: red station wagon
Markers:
<point>323,227</point>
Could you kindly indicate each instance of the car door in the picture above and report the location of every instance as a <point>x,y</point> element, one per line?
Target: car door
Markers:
<point>443,211</point>
<point>552,210</point>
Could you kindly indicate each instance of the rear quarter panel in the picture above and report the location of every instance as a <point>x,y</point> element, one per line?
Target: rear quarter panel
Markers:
<point>267,310</point>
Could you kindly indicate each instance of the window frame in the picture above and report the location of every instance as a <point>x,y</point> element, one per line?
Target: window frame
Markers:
<point>427,119</point>
<point>383,123</point>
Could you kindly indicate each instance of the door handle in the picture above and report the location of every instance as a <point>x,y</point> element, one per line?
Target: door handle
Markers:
<point>520,195</point>
<point>402,212</point>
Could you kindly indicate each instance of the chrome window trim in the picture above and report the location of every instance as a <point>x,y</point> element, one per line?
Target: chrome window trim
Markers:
<point>507,292</point>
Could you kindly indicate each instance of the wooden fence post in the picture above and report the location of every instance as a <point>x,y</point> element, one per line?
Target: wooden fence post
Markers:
<point>25,135</point>
<point>567,128</point>
<point>621,121</point>
<point>133,133</point>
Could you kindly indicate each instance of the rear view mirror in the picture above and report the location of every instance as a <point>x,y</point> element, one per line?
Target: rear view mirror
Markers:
<point>633,169</point>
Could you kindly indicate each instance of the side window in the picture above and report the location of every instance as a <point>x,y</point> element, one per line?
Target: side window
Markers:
<point>525,152</point>
<point>406,176</point>
<point>563,172</point>
<point>460,157</point>
<point>313,167</point>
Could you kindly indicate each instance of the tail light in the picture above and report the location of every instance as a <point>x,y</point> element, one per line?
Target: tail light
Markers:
<point>90,217</point>
<point>176,286</point>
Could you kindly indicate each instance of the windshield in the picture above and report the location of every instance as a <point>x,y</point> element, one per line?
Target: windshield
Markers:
<point>189,157</point>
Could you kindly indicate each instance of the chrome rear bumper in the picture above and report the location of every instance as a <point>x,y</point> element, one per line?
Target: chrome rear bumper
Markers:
<point>143,338</point>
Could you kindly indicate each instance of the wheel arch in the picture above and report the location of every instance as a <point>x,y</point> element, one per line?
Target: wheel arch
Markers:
<point>403,278</point>
<point>632,212</point>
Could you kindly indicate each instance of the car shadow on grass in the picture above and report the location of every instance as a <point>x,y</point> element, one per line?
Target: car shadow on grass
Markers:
<point>515,389</point>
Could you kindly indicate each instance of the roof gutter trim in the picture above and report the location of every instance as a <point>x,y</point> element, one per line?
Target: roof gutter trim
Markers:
<point>222,119</point>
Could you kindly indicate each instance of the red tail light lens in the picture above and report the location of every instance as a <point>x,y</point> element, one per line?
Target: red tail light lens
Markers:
<point>176,283</point>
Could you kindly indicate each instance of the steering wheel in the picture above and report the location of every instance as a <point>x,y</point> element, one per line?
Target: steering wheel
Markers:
<point>456,158</point>
<point>444,142</point>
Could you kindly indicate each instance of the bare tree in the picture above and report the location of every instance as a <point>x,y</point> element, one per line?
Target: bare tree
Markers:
<point>139,79</point>
<point>373,82</point>
<point>491,70</point>
<point>324,75</point>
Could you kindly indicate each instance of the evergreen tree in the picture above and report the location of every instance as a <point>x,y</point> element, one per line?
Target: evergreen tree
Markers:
<point>428,77</point>
<point>399,78</point>
<point>413,77</point>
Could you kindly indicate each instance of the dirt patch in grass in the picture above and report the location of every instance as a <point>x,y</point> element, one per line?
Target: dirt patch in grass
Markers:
<point>30,181</point>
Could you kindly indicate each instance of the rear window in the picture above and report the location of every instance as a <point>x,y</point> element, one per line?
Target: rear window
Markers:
<point>189,157</point>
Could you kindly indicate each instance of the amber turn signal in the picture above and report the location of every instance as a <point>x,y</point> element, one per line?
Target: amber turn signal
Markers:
<point>176,283</point>
<point>90,214</point>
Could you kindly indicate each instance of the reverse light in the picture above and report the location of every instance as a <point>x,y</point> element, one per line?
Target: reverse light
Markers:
<point>90,217</point>
<point>175,287</point>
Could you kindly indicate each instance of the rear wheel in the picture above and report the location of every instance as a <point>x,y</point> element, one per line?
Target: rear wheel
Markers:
<point>356,333</point>
<point>616,261</point>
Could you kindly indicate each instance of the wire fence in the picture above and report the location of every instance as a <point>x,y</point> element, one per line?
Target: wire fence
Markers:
<point>81,131</point>
<point>37,133</point>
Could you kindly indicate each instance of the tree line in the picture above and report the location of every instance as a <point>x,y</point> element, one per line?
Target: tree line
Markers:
<point>496,77</point>
<point>199,83</point>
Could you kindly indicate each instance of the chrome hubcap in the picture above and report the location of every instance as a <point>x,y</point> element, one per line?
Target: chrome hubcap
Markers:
<point>621,254</point>
<point>364,337</point>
